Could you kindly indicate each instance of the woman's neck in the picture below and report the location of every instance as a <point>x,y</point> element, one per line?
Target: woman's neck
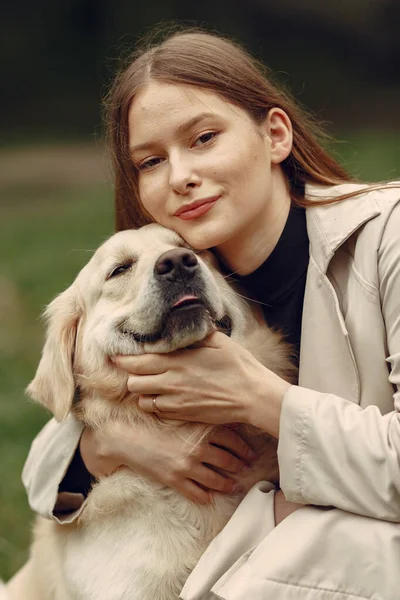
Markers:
<point>244,253</point>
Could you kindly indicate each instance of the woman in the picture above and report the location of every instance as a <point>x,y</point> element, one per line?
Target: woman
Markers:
<point>205,144</point>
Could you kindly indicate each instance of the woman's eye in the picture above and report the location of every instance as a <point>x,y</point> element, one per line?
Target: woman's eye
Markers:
<point>120,269</point>
<point>149,163</point>
<point>204,138</point>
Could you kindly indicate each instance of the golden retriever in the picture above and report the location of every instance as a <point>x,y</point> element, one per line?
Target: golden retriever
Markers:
<point>143,291</point>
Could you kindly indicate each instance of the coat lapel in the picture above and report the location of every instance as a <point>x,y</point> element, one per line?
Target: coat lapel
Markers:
<point>327,361</point>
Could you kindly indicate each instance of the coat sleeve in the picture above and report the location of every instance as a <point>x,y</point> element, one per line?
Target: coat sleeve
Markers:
<point>334,453</point>
<point>48,461</point>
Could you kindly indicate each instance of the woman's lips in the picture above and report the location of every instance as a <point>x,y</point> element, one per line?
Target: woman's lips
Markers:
<point>196,209</point>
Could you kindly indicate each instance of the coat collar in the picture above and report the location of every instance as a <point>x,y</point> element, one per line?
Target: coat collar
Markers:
<point>332,224</point>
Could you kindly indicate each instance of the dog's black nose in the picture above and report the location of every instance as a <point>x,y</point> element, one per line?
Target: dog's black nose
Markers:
<point>177,263</point>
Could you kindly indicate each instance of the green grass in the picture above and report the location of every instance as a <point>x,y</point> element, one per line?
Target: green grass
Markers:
<point>45,233</point>
<point>370,156</point>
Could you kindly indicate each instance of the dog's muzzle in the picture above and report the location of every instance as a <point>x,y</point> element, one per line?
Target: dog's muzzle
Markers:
<point>184,305</point>
<point>182,264</point>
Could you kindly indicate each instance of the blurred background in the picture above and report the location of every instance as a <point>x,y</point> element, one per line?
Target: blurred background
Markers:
<point>341,59</point>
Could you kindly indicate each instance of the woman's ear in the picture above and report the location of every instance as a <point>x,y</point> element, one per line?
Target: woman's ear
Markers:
<point>278,128</point>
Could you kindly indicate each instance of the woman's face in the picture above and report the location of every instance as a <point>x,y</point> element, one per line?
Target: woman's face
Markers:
<point>205,168</point>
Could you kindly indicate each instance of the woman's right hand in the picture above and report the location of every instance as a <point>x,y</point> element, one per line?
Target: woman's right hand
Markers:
<point>168,459</point>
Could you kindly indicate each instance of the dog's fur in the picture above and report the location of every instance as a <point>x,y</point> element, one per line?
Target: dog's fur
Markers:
<point>136,538</point>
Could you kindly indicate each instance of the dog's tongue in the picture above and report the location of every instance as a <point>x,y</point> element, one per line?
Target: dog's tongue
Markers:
<point>184,299</point>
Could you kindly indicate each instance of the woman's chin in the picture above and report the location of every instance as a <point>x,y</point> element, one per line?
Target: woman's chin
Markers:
<point>205,235</point>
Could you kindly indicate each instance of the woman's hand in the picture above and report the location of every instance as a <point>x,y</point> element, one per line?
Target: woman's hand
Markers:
<point>167,459</point>
<point>283,508</point>
<point>220,382</point>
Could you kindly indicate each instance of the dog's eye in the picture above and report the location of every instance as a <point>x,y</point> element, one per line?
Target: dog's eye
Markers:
<point>120,269</point>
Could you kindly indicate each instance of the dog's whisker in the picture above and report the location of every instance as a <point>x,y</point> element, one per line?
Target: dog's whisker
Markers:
<point>228,275</point>
<point>252,299</point>
<point>85,250</point>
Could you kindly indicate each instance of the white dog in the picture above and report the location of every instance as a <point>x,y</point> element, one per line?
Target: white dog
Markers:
<point>143,291</point>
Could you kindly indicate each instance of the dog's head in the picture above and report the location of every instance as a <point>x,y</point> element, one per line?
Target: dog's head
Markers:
<point>143,291</point>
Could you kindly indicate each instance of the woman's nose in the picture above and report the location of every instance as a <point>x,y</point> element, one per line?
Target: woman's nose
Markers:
<point>183,176</point>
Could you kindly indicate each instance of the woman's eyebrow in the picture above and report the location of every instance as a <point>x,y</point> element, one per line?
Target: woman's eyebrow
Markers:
<point>180,129</point>
<point>193,121</point>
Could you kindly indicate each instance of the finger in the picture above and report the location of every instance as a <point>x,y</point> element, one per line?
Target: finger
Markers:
<point>173,416</point>
<point>157,403</point>
<point>166,405</point>
<point>195,492</point>
<point>218,457</point>
<point>146,385</point>
<point>151,404</point>
<point>207,477</point>
<point>216,339</point>
<point>145,364</point>
<point>233,442</point>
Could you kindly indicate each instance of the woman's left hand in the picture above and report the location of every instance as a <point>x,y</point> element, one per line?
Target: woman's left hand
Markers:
<point>218,383</point>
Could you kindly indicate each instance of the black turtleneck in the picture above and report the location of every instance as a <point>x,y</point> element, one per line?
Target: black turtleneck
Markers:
<point>279,283</point>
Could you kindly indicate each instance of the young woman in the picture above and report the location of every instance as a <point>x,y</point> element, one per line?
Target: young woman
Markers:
<point>204,143</point>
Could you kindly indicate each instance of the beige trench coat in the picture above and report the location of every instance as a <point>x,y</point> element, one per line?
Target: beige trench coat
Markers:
<point>339,432</point>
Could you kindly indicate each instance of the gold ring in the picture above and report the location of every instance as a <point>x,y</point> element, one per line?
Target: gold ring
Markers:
<point>155,407</point>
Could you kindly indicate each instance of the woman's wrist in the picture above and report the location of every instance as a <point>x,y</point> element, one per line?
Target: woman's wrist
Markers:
<point>266,404</point>
<point>283,508</point>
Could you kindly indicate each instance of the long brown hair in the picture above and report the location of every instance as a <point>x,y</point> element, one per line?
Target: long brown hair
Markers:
<point>211,62</point>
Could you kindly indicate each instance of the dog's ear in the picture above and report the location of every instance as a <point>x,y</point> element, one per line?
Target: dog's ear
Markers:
<point>54,385</point>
